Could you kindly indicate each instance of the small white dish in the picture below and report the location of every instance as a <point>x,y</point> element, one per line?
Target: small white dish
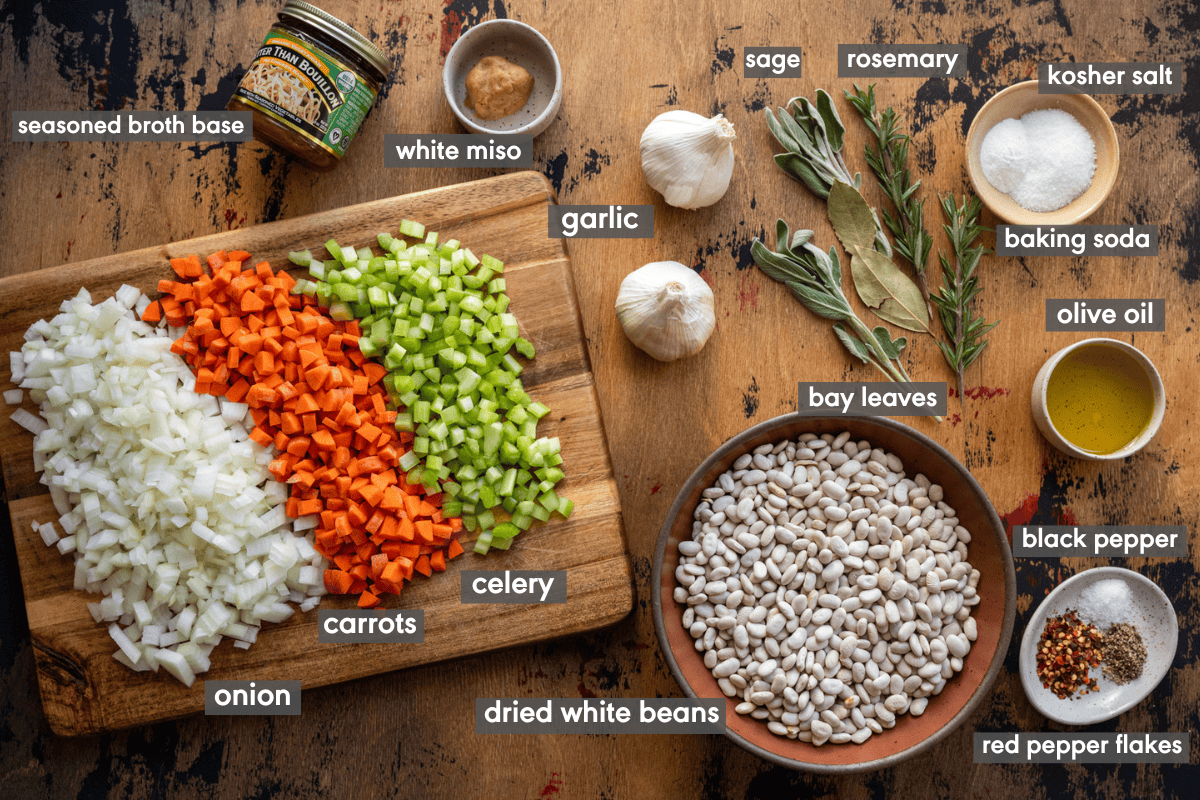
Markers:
<point>524,46</point>
<point>1153,616</point>
<point>1041,412</point>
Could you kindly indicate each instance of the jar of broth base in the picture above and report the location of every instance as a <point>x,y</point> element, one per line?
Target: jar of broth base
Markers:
<point>311,84</point>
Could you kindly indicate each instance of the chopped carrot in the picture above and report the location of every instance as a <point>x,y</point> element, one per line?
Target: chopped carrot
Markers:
<point>336,581</point>
<point>323,407</point>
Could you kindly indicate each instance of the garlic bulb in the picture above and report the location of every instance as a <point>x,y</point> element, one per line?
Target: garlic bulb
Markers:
<point>687,158</point>
<point>666,309</point>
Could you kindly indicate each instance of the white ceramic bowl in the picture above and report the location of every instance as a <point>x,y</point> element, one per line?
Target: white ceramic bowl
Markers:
<point>1041,414</point>
<point>525,47</point>
<point>1153,616</point>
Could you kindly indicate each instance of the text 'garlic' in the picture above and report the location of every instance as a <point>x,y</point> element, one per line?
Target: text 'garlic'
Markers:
<point>666,309</point>
<point>688,158</point>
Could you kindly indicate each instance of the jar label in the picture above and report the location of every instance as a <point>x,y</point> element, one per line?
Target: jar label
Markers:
<point>307,89</point>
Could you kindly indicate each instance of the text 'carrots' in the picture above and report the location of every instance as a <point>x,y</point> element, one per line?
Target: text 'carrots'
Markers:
<point>318,400</point>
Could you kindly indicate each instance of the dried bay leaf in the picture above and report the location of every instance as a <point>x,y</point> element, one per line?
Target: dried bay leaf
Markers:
<point>851,218</point>
<point>887,291</point>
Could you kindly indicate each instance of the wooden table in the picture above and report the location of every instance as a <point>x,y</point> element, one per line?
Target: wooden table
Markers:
<point>411,733</point>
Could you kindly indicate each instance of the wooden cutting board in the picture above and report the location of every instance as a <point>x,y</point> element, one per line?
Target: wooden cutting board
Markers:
<point>84,690</point>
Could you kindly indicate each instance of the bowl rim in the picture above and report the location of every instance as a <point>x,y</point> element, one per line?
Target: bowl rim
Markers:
<point>542,119</point>
<point>1029,682</point>
<point>737,441</point>
<point>1041,217</point>
<point>1139,442</point>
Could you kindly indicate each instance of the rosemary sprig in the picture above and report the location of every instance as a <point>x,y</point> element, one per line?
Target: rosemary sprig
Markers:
<point>888,159</point>
<point>960,285</point>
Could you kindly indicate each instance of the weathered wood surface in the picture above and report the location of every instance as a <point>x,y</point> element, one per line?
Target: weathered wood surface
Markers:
<point>624,62</point>
<point>85,691</point>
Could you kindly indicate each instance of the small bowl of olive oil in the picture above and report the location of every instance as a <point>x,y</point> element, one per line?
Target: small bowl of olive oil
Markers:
<point>1098,399</point>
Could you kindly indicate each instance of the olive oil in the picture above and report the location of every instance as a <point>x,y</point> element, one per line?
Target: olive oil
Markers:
<point>1099,398</point>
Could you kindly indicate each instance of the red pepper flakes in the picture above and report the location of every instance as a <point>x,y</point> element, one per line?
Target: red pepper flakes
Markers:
<point>1067,650</point>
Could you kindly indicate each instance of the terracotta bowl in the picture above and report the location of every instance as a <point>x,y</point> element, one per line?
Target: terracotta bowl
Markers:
<point>989,553</point>
<point>1017,101</point>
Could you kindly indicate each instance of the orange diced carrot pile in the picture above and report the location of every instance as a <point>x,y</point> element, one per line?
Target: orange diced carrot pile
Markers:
<point>321,404</point>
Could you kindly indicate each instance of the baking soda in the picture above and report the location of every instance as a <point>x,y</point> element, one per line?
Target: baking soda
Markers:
<point>1043,160</point>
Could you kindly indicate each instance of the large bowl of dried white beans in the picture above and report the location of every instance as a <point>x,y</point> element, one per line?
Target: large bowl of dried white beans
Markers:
<point>843,582</point>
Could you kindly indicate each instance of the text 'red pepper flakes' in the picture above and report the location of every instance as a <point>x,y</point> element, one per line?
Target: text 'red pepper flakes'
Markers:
<point>1067,650</point>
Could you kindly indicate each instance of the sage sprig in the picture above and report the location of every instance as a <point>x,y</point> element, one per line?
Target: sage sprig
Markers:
<point>888,160</point>
<point>815,278</point>
<point>812,136</point>
<point>960,285</point>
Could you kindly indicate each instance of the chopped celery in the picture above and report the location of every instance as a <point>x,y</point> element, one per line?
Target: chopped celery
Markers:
<point>437,318</point>
<point>413,230</point>
<point>302,259</point>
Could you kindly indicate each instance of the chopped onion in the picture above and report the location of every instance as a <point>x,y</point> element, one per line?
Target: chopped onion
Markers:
<point>164,498</point>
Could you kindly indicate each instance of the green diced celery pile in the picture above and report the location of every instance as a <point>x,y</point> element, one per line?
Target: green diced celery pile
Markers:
<point>437,317</point>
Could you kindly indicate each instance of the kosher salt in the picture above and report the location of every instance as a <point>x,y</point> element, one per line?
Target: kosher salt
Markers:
<point>1106,603</point>
<point>1043,160</point>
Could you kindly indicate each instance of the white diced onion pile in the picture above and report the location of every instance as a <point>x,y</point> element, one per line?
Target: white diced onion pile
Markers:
<point>165,501</point>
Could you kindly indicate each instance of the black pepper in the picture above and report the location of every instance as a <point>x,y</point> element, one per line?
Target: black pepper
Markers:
<point>1124,653</point>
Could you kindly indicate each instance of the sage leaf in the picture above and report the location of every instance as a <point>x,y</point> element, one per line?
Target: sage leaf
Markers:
<point>887,291</point>
<point>801,238</point>
<point>834,129</point>
<point>851,218</point>
<point>782,236</point>
<point>831,264</point>
<point>819,302</point>
<point>784,137</point>
<point>855,347</point>
<point>795,167</point>
<point>778,267</point>
<point>887,344</point>
<point>802,280</point>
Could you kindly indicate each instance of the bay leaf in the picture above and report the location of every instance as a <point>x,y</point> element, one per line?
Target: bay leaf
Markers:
<point>851,218</point>
<point>887,291</point>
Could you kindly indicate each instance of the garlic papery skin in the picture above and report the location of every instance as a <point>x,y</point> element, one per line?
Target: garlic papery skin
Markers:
<point>666,309</point>
<point>688,158</point>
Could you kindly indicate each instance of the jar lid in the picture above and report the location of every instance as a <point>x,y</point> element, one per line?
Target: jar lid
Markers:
<point>305,12</point>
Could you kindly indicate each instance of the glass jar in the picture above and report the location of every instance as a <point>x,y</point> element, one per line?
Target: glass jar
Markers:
<point>311,84</point>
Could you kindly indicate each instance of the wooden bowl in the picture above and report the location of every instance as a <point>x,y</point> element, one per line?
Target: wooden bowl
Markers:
<point>989,553</point>
<point>1018,100</point>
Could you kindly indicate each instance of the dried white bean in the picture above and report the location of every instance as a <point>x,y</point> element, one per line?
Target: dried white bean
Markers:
<point>827,590</point>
